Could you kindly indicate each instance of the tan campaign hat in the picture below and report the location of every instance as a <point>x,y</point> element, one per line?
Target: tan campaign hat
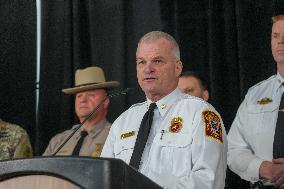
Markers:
<point>90,78</point>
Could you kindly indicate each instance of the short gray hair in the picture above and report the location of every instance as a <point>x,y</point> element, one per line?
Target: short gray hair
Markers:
<point>155,35</point>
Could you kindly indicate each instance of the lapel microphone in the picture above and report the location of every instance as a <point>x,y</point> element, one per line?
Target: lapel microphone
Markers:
<point>115,94</point>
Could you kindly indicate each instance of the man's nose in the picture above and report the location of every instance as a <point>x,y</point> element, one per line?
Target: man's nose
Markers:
<point>149,68</point>
<point>281,39</point>
<point>82,98</point>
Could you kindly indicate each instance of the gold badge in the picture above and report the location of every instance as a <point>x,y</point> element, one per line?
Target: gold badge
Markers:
<point>126,135</point>
<point>98,150</point>
<point>264,101</point>
<point>176,125</point>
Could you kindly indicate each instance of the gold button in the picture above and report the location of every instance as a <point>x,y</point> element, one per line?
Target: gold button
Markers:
<point>163,106</point>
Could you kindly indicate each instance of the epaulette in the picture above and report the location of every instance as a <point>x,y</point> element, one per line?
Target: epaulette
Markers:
<point>262,82</point>
<point>186,96</point>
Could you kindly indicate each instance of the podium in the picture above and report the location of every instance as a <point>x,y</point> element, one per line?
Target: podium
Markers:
<point>71,173</point>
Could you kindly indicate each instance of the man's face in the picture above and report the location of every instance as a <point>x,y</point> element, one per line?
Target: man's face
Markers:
<point>277,41</point>
<point>86,101</point>
<point>191,85</point>
<point>157,68</point>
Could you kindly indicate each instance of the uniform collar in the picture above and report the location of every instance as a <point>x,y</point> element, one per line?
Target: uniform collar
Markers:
<point>97,128</point>
<point>280,81</point>
<point>165,103</point>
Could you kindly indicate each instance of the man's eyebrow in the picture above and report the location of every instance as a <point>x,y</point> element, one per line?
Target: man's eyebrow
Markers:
<point>158,57</point>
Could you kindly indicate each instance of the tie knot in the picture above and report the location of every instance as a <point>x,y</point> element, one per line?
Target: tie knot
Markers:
<point>152,106</point>
<point>83,133</point>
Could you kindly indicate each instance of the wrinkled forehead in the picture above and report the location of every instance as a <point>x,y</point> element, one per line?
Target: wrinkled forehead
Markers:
<point>153,48</point>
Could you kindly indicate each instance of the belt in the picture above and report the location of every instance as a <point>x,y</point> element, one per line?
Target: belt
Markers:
<point>260,185</point>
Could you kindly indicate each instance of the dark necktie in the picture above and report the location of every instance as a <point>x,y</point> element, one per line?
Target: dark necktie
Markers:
<point>278,144</point>
<point>78,146</point>
<point>142,136</point>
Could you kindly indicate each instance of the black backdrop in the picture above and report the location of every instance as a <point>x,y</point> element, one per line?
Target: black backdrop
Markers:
<point>227,41</point>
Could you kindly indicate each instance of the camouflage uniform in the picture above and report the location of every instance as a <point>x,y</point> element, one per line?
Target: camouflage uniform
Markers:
<point>14,141</point>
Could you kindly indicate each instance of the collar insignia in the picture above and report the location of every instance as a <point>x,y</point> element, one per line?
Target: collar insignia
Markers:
<point>264,101</point>
<point>126,135</point>
<point>163,106</point>
<point>176,125</point>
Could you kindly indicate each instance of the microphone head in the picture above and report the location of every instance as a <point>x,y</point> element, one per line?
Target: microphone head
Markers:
<point>123,92</point>
<point>127,90</point>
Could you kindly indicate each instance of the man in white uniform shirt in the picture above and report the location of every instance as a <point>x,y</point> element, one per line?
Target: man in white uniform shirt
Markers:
<point>251,136</point>
<point>186,146</point>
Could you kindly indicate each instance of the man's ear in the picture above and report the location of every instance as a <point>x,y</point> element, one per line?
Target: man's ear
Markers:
<point>106,103</point>
<point>205,95</point>
<point>178,68</point>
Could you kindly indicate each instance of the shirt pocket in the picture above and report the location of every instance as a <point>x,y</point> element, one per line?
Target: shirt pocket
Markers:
<point>171,152</point>
<point>262,118</point>
<point>123,149</point>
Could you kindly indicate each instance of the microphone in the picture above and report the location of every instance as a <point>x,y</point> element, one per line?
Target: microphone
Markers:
<point>122,92</point>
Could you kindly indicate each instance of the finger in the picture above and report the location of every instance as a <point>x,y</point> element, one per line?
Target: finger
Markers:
<point>277,173</point>
<point>275,178</point>
<point>279,181</point>
<point>278,160</point>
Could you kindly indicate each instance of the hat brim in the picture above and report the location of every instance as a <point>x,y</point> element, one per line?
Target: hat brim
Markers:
<point>104,85</point>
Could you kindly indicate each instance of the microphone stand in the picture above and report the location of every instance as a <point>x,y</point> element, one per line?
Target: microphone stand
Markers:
<point>124,92</point>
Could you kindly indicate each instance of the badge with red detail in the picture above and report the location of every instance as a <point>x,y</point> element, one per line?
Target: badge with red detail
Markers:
<point>176,125</point>
<point>213,126</point>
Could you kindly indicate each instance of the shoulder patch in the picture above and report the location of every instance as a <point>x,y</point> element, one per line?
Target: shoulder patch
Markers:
<point>213,127</point>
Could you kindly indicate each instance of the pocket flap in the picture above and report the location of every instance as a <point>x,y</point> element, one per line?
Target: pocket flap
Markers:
<point>173,139</point>
<point>260,108</point>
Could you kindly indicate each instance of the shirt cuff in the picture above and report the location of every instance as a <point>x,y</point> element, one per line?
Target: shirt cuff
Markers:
<point>253,169</point>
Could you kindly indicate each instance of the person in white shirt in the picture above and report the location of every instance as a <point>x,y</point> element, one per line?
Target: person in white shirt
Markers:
<point>187,145</point>
<point>251,136</point>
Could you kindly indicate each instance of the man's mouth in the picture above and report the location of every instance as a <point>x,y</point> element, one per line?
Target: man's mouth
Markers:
<point>280,51</point>
<point>149,79</point>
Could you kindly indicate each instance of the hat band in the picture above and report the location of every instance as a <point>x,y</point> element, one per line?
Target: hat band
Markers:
<point>82,85</point>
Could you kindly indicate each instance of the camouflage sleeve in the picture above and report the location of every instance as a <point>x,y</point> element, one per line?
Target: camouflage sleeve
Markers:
<point>24,148</point>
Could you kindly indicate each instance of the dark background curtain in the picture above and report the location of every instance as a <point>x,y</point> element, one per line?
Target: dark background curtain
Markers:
<point>226,41</point>
<point>18,63</point>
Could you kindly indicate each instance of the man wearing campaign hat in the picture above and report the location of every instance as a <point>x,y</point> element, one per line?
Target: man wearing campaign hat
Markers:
<point>90,89</point>
<point>256,137</point>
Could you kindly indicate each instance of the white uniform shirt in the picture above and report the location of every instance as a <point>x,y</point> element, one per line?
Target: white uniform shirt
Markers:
<point>185,159</point>
<point>250,139</point>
